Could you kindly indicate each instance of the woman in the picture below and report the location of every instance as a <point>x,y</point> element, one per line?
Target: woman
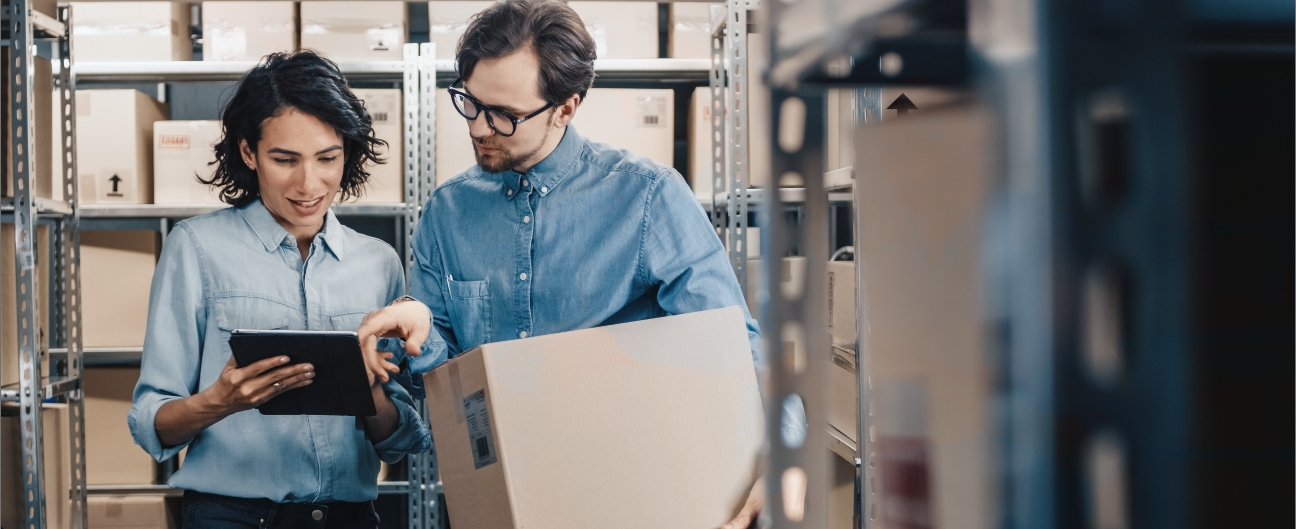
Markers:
<point>295,137</point>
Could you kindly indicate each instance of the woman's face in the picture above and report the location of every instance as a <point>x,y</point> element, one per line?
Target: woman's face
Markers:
<point>299,168</point>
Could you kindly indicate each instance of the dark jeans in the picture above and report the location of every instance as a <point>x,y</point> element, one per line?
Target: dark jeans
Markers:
<point>212,511</point>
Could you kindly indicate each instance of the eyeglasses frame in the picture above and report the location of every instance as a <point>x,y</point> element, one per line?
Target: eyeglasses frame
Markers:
<point>486,109</point>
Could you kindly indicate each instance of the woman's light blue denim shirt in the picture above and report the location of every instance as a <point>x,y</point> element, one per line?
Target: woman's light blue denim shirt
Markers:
<point>239,269</point>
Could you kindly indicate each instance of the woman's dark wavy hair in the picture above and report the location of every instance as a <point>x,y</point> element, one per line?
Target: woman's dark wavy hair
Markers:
<point>310,84</point>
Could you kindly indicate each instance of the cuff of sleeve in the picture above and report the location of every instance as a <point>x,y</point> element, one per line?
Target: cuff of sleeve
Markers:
<point>411,435</point>
<point>140,420</point>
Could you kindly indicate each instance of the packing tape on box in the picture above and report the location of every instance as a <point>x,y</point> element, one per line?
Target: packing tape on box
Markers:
<point>456,389</point>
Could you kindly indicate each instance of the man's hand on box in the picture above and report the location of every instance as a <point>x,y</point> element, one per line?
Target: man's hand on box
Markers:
<point>751,510</point>
<point>410,320</point>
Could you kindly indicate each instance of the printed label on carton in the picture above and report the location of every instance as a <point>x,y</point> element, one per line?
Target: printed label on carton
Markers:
<point>651,111</point>
<point>173,141</point>
<point>480,436</point>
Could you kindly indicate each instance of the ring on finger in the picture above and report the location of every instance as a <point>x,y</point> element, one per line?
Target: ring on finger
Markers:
<point>278,386</point>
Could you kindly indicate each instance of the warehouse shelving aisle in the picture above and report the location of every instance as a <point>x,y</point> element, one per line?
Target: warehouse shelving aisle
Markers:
<point>41,379</point>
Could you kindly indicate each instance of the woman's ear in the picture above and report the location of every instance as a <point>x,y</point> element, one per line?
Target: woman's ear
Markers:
<point>249,157</point>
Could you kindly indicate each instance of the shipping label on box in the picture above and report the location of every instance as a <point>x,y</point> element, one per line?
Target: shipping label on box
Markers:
<point>350,31</point>
<point>247,31</point>
<point>602,423</point>
<point>182,154</point>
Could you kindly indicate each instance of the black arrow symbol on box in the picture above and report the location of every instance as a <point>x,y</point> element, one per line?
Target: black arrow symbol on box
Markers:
<point>115,181</point>
<point>902,105</point>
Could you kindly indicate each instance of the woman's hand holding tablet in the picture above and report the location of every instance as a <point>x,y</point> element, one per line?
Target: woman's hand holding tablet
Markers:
<point>244,388</point>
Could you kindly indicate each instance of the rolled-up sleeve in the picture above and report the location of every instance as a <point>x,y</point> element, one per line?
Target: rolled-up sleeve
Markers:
<point>177,319</point>
<point>411,435</point>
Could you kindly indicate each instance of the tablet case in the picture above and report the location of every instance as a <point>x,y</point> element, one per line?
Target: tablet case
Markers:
<point>341,384</point>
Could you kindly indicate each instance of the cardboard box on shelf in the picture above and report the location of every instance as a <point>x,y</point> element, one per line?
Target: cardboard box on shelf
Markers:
<point>792,277</point>
<point>841,113</point>
<point>753,242</point>
<point>639,120</point>
<point>9,300</point>
<point>842,321</point>
<point>114,145</point>
<point>909,101</point>
<point>113,458</point>
<point>247,30</point>
<point>131,31</point>
<point>758,117</point>
<point>351,31</point>
<point>145,511</point>
<point>57,460</point>
<point>843,393</point>
<point>621,30</point>
<point>454,150</point>
<point>182,153</point>
<point>387,180</point>
<point>929,173</point>
<point>447,22</point>
<point>116,275</point>
<point>539,432</point>
<point>42,110</point>
<point>690,30</point>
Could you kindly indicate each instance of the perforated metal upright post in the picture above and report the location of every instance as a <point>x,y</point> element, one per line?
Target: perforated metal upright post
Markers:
<point>29,362</point>
<point>68,264</point>
<point>736,126</point>
<point>716,84</point>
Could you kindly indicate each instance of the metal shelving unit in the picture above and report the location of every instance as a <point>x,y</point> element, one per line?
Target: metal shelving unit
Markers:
<point>40,383</point>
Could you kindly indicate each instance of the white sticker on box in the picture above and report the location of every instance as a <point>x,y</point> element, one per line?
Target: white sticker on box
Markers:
<point>650,111</point>
<point>480,436</point>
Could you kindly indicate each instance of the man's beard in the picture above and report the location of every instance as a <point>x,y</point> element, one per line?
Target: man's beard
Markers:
<point>503,159</point>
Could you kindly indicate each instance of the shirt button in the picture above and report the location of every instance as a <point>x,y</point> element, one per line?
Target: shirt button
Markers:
<point>510,192</point>
<point>522,276</point>
<point>522,334</point>
<point>544,189</point>
<point>523,182</point>
<point>526,219</point>
<point>317,514</point>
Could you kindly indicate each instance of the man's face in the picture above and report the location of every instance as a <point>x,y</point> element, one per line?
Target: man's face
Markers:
<point>512,84</point>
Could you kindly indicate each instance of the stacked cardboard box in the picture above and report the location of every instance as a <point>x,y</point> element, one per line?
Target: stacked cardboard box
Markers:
<point>131,31</point>
<point>57,461</point>
<point>354,31</point>
<point>116,276</point>
<point>690,30</point>
<point>928,173</point>
<point>115,145</point>
<point>247,31</point>
<point>9,299</point>
<point>447,22</point>
<point>601,427</point>
<point>182,154</point>
<point>387,180</point>
<point>113,458</point>
<point>621,30</point>
<point>129,512</point>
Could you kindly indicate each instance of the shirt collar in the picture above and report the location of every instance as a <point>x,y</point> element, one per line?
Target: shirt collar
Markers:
<point>273,235</point>
<point>551,171</point>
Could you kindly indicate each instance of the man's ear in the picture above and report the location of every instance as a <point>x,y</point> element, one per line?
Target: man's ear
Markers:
<point>567,111</point>
<point>249,157</point>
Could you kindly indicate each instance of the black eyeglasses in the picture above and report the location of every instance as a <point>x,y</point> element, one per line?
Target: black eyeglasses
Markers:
<point>503,123</point>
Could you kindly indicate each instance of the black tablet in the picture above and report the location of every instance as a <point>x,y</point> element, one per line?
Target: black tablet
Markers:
<point>341,384</point>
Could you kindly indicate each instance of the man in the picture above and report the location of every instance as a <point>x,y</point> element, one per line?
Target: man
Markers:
<point>550,232</point>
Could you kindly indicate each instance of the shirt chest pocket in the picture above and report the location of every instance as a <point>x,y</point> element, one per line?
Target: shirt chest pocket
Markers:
<point>469,312</point>
<point>347,321</point>
<point>249,313</point>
